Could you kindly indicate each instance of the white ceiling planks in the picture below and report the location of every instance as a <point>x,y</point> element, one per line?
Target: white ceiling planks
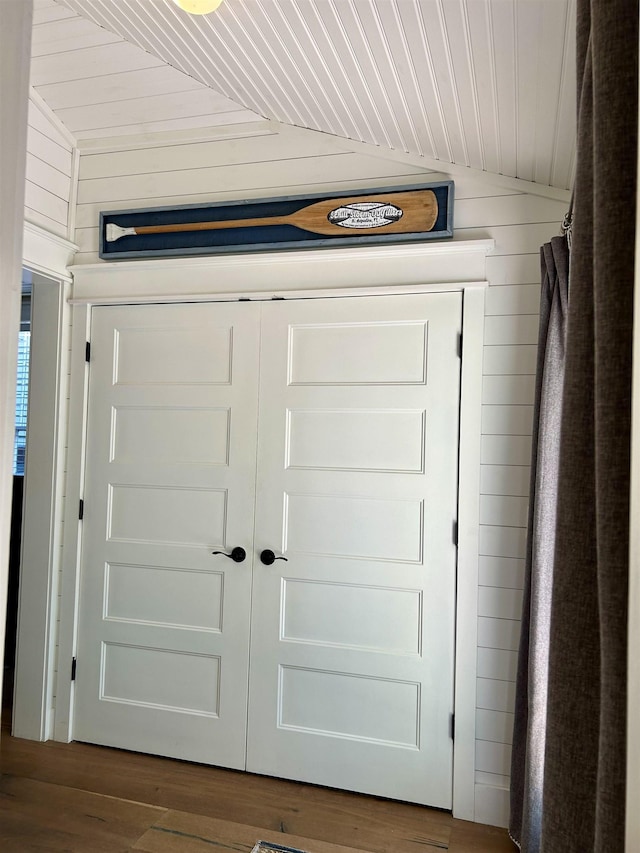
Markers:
<point>563,139</point>
<point>151,113</point>
<point>68,66</point>
<point>76,33</point>
<point>487,84</point>
<point>118,88</point>
<point>50,13</point>
<point>544,35</point>
<point>100,85</point>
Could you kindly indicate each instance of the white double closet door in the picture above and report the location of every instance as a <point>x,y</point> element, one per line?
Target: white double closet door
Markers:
<point>325,430</point>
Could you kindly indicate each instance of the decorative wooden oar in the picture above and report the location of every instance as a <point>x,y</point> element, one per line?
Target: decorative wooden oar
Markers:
<point>392,213</point>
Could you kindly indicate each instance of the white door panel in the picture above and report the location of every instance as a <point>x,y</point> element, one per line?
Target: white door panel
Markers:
<point>351,406</point>
<point>164,624</point>
<point>352,638</point>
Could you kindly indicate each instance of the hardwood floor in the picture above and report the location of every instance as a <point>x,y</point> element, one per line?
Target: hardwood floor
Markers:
<point>80,798</point>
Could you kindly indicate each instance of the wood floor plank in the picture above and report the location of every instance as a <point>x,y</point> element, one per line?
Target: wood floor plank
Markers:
<point>284,810</point>
<point>308,811</point>
<point>179,832</point>
<point>475,838</point>
<point>42,816</point>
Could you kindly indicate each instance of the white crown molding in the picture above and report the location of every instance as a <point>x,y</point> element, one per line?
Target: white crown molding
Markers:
<point>47,253</point>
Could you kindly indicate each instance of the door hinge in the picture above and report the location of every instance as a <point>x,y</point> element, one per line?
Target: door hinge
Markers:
<point>452,727</point>
<point>87,351</point>
<point>455,533</point>
<point>73,669</point>
<point>459,344</point>
<point>81,509</point>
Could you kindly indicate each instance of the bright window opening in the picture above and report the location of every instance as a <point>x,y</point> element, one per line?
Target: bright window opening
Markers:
<point>22,385</point>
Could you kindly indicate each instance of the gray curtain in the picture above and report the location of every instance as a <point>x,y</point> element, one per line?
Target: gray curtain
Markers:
<point>527,771</point>
<point>583,791</point>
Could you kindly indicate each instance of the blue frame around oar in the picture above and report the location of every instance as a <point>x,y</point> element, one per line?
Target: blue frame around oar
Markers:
<point>355,217</point>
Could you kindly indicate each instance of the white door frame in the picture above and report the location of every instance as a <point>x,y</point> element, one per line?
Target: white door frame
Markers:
<point>41,546</point>
<point>418,268</point>
<point>47,255</point>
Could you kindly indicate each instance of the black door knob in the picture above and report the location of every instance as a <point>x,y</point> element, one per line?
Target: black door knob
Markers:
<point>237,554</point>
<point>268,557</point>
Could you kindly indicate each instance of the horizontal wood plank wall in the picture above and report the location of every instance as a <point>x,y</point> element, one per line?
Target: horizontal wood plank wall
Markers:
<point>511,334</point>
<point>49,174</point>
<point>519,223</point>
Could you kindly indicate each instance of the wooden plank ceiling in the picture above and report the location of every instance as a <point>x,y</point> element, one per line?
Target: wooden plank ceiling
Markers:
<point>482,83</point>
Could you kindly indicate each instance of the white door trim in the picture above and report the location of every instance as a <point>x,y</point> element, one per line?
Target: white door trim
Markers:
<point>43,491</point>
<point>49,255</point>
<point>69,590</point>
<point>464,749</point>
<point>270,273</point>
<point>261,296</point>
<point>407,269</point>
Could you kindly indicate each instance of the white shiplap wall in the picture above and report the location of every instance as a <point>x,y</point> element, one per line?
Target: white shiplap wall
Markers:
<point>511,328</point>
<point>49,173</point>
<point>277,164</point>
